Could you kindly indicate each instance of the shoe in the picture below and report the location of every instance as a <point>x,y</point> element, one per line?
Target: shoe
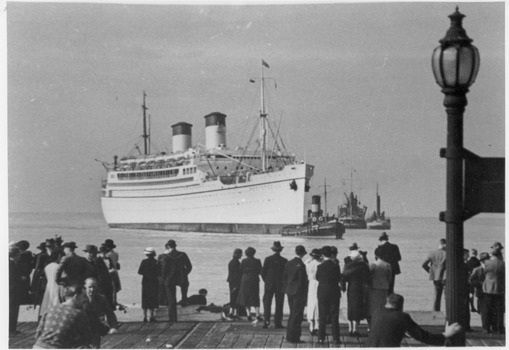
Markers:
<point>259,318</point>
<point>265,325</point>
<point>321,341</point>
<point>279,326</point>
<point>152,319</point>
<point>469,330</point>
<point>144,320</point>
<point>486,331</point>
<point>249,318</point>
<point>356,334</point>
<point>350,334</point>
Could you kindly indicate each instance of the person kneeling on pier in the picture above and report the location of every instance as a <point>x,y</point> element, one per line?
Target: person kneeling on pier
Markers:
<point>196,299</point>
<point>390,324</point>
<point>97,308</point>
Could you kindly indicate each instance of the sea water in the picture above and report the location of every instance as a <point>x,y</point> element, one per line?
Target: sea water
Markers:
<point>211,252</point>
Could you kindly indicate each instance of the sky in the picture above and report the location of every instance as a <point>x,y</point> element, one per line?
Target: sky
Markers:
<point>355,92</point>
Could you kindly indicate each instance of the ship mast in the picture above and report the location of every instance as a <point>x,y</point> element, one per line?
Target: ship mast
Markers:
<point>377,202</point>
<point>145,135</point>
<point>325,195</point>
<point>263,120</point>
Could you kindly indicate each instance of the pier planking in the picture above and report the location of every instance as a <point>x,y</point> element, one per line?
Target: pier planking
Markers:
<point>226,335</point>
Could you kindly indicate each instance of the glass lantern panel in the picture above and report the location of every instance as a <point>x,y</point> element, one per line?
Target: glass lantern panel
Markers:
<point>477,62</point>
<point>449,66</point>
<point>466,66</point>
<point>435,65</point>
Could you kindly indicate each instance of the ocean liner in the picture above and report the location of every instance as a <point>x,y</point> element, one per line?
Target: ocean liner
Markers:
<point>208,188</point>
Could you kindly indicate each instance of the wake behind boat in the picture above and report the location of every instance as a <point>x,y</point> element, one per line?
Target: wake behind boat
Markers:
<point>210,188</point>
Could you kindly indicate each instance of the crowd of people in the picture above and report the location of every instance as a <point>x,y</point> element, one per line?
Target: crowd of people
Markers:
<point>76,294</point>
<point>81,291</point>
<point>485,277</point>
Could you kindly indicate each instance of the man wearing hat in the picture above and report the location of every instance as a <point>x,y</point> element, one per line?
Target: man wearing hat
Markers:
<point>328,276</point>
<point>272,274</point>
<point>15,288</point>
<point>476,280</point>
<point>25,267</point>
<point>100,272</point>
<point>233,279</point>
<point>175,268</point>
<point>435,266</point>
<point>389,252</point>
<point>296,287</point>
<point>494,288</point>
<point>73,269</point>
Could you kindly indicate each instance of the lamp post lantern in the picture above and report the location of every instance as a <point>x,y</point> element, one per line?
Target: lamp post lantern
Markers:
<point>455,64</point>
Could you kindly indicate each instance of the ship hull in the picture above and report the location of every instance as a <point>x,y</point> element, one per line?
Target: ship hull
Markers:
<point>263,204</point>
<point>336,230</point>
<point>353,223</point>
<point>379,225</point>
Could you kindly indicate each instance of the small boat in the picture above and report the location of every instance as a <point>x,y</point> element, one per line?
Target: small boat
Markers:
<point>377,220</point>
<point>317,225</point>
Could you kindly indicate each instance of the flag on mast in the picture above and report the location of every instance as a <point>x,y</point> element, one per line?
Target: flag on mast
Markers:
<point>265,64</point>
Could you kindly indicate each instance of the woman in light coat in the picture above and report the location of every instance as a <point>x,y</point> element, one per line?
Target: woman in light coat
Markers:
<point>312,304</point>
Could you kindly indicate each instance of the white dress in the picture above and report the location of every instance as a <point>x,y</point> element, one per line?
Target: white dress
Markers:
<point>51,293</point>
<point>312,305</point>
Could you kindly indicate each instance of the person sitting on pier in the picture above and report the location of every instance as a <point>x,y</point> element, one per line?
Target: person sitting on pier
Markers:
<point>390,324</point>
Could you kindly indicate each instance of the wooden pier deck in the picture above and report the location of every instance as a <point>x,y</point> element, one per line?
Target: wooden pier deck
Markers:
<point>205,331</point>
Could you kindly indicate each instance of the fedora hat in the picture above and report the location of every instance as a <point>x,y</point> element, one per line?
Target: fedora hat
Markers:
<point>276,246</point>
<point>23,245</point>
<point>42,246</point>
<point>353,247</point>
<point>149,251</point>
<point>497,245</point>
<point>109,243</point>
<point>90,248</point>
<point>103,248</point>
<point>71,245</point>
<point>383,237</point>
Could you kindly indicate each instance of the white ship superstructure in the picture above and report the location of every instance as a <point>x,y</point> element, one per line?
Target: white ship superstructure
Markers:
<point>207,188</point>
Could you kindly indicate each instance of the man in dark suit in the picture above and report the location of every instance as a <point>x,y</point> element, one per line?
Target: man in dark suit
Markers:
<point>73,269</point>
<point>435,266</point>
<point>328,276</point>
<point>472,262</point>
<point>494,288</point>
<point>272,274</point>
<point>99,271</point>
<point>175,267</point>
<point>390,253</point>
<point>15,288</point>
<point>233,279</point>
<point>296,287</point>
<point>390,324</point>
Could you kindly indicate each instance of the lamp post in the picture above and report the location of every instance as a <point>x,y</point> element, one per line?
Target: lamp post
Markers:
<point>455,65</point>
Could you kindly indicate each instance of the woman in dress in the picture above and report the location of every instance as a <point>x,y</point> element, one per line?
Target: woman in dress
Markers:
<point>357,276</point>
<point>312,304</point>
<point>150,270</point>
<point>52,292</point>
<point>249,293</point>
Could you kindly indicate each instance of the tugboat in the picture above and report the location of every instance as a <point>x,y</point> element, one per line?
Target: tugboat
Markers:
<point>377,220</point>
<point>317,225</point>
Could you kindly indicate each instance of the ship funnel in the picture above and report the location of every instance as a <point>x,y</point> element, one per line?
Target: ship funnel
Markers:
<point>315,205</point>
<point>181,137</point>
<point>215,130</point>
